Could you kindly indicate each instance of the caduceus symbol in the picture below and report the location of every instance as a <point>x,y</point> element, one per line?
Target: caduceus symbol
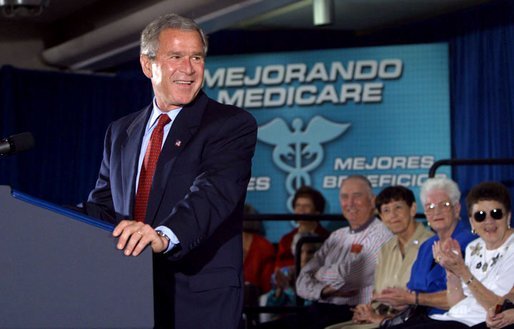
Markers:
<point>299,151</point>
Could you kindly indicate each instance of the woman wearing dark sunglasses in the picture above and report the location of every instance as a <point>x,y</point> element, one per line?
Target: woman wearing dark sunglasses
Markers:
<point>476,285</point>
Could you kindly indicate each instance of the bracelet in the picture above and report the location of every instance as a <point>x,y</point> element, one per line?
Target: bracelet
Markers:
<point>467,283</point>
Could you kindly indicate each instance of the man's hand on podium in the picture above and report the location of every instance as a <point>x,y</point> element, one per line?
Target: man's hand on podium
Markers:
<point>134,236</point>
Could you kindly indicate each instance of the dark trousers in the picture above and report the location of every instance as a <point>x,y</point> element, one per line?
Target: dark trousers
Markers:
<point>315,316</point>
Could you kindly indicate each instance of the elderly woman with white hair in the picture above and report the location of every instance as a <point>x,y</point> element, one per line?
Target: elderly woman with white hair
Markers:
<point>426,289</point>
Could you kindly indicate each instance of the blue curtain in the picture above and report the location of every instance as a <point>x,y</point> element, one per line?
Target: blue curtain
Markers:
<point>68,115</point>
<point>482,89</point>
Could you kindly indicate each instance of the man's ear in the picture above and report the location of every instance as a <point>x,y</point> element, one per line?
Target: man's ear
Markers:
<point>146,65</point>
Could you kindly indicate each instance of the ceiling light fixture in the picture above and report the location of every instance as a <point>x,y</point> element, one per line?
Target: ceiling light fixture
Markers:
<point>23,8</point>
<point>323,11</point>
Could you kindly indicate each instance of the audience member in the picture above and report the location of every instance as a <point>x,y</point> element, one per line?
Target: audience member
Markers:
<point>477,283</point>
<point>426,288</point>
<point>340,275</point>
<point>396,206</point>
<point>286,296</point>
<point>306,201</point>
<point>258,259</point>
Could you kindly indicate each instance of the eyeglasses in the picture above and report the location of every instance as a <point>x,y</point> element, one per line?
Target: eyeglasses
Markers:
<point>480,215</point>
<point>444,206</point>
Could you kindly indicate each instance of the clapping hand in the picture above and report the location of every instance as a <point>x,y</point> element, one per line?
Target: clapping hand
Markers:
<point>449,256</point>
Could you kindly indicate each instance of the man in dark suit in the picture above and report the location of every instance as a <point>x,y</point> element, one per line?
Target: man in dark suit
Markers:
<point>192,216</point>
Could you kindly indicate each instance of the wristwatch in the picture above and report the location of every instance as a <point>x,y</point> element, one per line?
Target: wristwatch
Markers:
<point>161,233</point>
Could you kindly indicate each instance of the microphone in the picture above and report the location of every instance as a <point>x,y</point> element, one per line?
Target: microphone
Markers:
<point>16,143</point>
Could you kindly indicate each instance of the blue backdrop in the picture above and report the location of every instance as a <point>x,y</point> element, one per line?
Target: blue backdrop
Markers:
<point>327,114</point>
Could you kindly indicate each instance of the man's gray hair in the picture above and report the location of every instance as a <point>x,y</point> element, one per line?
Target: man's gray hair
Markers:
<point>363,179</point>
<point>150,35</point>
<point>440,183</point>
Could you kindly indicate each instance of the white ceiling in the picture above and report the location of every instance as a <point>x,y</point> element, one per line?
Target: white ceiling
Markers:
<point>92,34</point>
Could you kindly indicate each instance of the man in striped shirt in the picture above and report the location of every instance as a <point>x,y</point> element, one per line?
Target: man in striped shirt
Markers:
<point>341,273</point>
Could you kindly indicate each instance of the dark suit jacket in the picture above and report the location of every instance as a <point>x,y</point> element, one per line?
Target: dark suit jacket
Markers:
<point>198,192</point>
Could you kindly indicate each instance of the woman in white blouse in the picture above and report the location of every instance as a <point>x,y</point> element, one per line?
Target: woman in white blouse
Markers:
<point>476,285</point>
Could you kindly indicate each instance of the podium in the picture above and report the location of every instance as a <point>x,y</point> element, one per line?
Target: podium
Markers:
<point>60,269</point>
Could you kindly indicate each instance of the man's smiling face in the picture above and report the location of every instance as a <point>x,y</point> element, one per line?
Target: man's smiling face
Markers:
<point>177,71</point>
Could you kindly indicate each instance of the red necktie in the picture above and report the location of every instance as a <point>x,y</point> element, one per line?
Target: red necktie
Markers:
<point>148,168</point>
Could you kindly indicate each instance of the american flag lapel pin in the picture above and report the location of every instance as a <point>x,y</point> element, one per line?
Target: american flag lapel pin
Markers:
<point>178,142</point>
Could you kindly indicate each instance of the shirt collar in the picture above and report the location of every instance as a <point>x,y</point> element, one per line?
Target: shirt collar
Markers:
<point>362,227</point>
<point>156,112</point>
<point>415,238</point>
